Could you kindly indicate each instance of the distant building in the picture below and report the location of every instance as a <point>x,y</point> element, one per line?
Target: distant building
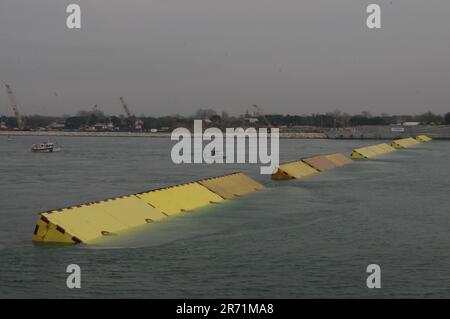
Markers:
<point>110,127</point>
<point>57,126</point>
<point>252,120</point>
<point>99,127</point>
<point>397,129</point>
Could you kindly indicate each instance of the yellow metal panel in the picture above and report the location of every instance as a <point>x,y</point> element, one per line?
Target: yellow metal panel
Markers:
<point>86,222</point>
<point>321,163</point>
<point>179,198</point>
<point>297,169</point>
<point>396,145</point>
<point>387,148</point>
<point>131,211</point>
<point>372,150</point>
<point>358,153</point>
<point>77,222</point>
<point>326,162</point>
<point>55,236</point>
<point>376,149</point>
<point>100,219</point>
<point>339,159</point>
<point>46,231</point>
<point>232,185</point>
<point>404,142</point>
<point>423,138</point>
<point>363,152</point>
<point>281,175</point>
<point>93,220</point>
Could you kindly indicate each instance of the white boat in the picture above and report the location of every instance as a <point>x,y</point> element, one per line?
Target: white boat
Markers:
<point>45,147</point>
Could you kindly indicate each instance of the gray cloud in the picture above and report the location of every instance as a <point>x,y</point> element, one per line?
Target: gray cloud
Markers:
<point>174,56</point>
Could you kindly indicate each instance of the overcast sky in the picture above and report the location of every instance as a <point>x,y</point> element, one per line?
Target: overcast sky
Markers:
<point>175,56</point>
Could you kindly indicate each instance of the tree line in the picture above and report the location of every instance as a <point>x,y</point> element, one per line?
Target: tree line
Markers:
<point>336,119</point>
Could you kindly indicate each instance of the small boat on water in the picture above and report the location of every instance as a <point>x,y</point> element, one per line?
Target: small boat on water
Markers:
<point>45,147</point>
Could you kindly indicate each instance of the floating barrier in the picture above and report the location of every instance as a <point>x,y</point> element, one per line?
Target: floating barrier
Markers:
<point>291,170</point>
<point>232,185</point>
<point>180,198</point>
<point>339,159</point>
<point>372,151</point>
<point>327,162</point>
<point>423,138</point>
<point>309,166</point>
<point>89,221</point>
<point>404,143</point>
<point>386,147</point>
<point>86,222</point>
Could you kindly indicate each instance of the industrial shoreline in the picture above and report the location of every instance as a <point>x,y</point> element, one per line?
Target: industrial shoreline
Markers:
<point>441,135</point>
<point>289,135</point>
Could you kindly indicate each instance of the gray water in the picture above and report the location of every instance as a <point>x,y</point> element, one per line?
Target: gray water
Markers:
<point>296,239</point>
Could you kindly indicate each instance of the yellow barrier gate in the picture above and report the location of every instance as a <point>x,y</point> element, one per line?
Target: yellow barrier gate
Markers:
<point>296,169</point>
<point>46,231</point>
<point>372,151</point>
<point>86,222</point>
<point>339,159</point>
<point>423,138</point>
<point>180,198</point>
<point>310,166</point>
<point>232,185</point>
<point>404,143</point>
<point>92,220</point>
<point>387,148</point>
<point>327,162</point>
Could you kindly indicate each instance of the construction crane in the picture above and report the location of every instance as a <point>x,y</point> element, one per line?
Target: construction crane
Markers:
<point>136,124</point>
<point>13,103</point>
<point>261,113</point>
<point>125,107</point>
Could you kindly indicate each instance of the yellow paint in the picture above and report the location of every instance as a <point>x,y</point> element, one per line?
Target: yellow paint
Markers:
<point>132,211</point>
<point>372,151</point>
<point>404,143</point>
<point>90,221</point>
<point>423,138</point>
<point>363,152</point>
<point>179,198</point>
<point>326,162</point>
<point>46,231</point>
<point>321,163</point>
<point>232,185</point>
<point>94,220</point>
<point>358,154</point>
<point>387,148</point>
<point>74,223</point>
<point>296,169</point>
<point>309,166</point>
<point>376,149</point>
<point>339,159</point>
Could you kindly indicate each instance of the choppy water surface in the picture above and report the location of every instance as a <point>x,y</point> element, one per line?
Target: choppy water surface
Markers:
<point>307,238</point>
